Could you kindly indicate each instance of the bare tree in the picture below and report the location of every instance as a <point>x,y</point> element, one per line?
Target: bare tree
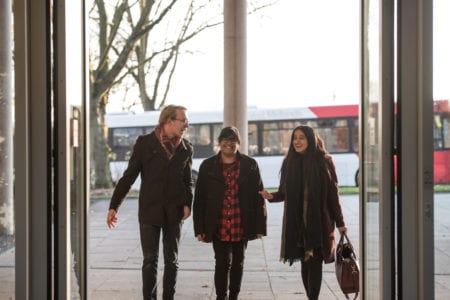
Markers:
<point>121,52</point>
<point>139,47</point>
<point>155,64</point>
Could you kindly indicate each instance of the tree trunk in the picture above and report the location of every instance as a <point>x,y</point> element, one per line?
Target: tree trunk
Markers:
<point>6,127</point>
<point>99,150</point>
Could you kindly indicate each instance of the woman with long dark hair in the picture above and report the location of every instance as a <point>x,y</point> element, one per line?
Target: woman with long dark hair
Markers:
<point>312,210</point>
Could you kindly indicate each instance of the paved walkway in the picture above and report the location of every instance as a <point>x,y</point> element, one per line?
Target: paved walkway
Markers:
<point>115,260</point>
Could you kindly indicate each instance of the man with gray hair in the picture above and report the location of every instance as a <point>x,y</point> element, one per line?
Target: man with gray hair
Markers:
<point>163,158</point>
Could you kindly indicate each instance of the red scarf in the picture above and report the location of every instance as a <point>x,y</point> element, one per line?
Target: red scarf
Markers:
<point>169,144</point>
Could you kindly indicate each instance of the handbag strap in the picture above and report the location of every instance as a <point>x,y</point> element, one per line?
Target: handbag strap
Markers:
<point>341,241</point>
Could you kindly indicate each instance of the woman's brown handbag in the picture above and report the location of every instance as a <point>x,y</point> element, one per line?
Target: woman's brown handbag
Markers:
<point>347,267</point>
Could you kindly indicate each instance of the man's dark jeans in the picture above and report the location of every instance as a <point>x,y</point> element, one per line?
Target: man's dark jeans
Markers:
<point>150,236</point>
<point>229,264</point>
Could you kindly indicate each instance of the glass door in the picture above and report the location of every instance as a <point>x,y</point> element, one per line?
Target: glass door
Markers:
<point>396,184</point>
<point>71,183</point>
<point>370,155</point>
<point>377,181</point>
<point>441,137</point>
<point>7,220</point>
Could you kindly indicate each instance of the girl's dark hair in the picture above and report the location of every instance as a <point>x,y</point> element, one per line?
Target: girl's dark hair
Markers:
<point>315,155</point>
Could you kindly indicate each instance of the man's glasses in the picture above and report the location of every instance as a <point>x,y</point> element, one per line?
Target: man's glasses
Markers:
<point>183,121</point>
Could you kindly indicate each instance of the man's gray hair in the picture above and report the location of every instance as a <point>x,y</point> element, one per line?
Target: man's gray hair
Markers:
<point>169,112</point>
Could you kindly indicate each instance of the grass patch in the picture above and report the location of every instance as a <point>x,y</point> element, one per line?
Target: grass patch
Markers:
<point>102,194</point>
<point>442,188</point>
<point>348,190</point>
<point>343,190</point>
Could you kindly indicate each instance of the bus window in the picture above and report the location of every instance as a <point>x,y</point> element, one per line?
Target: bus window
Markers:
<point>446,131</point>
<point>200,137</point>
<point>126,137</point>
<point>277,137</point>
<point>216,132</point>
<point>335,134</point>
<point>355,136</point>
<point>312,124</point>
<point>437,132</point>
<point>148,130</point>
<point>252,139</point>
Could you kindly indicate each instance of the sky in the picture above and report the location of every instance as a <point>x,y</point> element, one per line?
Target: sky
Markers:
<point>299,53</point>
<point>441,50</point>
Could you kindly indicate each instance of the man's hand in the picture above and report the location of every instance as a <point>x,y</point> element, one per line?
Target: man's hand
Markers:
<point>187,212</point>
<point>111,218</point>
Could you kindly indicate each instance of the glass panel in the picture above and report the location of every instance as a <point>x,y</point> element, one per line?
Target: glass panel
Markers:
<point>7,236</point>
<point>370,119</point>
<point>441,94</point>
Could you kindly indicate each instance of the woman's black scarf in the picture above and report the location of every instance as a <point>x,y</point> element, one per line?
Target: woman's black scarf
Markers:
<point>303,228</point>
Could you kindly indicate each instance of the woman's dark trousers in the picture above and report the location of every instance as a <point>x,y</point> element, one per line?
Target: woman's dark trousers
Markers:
<point>150,236</point>
<point>312,275</point>
<point>229,268</point>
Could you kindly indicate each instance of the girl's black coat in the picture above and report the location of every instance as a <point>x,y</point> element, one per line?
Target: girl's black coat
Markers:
<point>209,196</point>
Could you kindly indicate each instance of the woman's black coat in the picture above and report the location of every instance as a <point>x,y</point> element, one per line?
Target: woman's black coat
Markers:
<point>209,196</point>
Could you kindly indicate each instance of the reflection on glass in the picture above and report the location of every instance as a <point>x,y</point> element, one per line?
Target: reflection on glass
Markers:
<point>77,204</point>
<point>7,235</point>
<point>441,135</point>
<point>370,147</point>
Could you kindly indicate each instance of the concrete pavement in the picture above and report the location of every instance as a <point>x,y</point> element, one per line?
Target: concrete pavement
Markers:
<point>115,260</point>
